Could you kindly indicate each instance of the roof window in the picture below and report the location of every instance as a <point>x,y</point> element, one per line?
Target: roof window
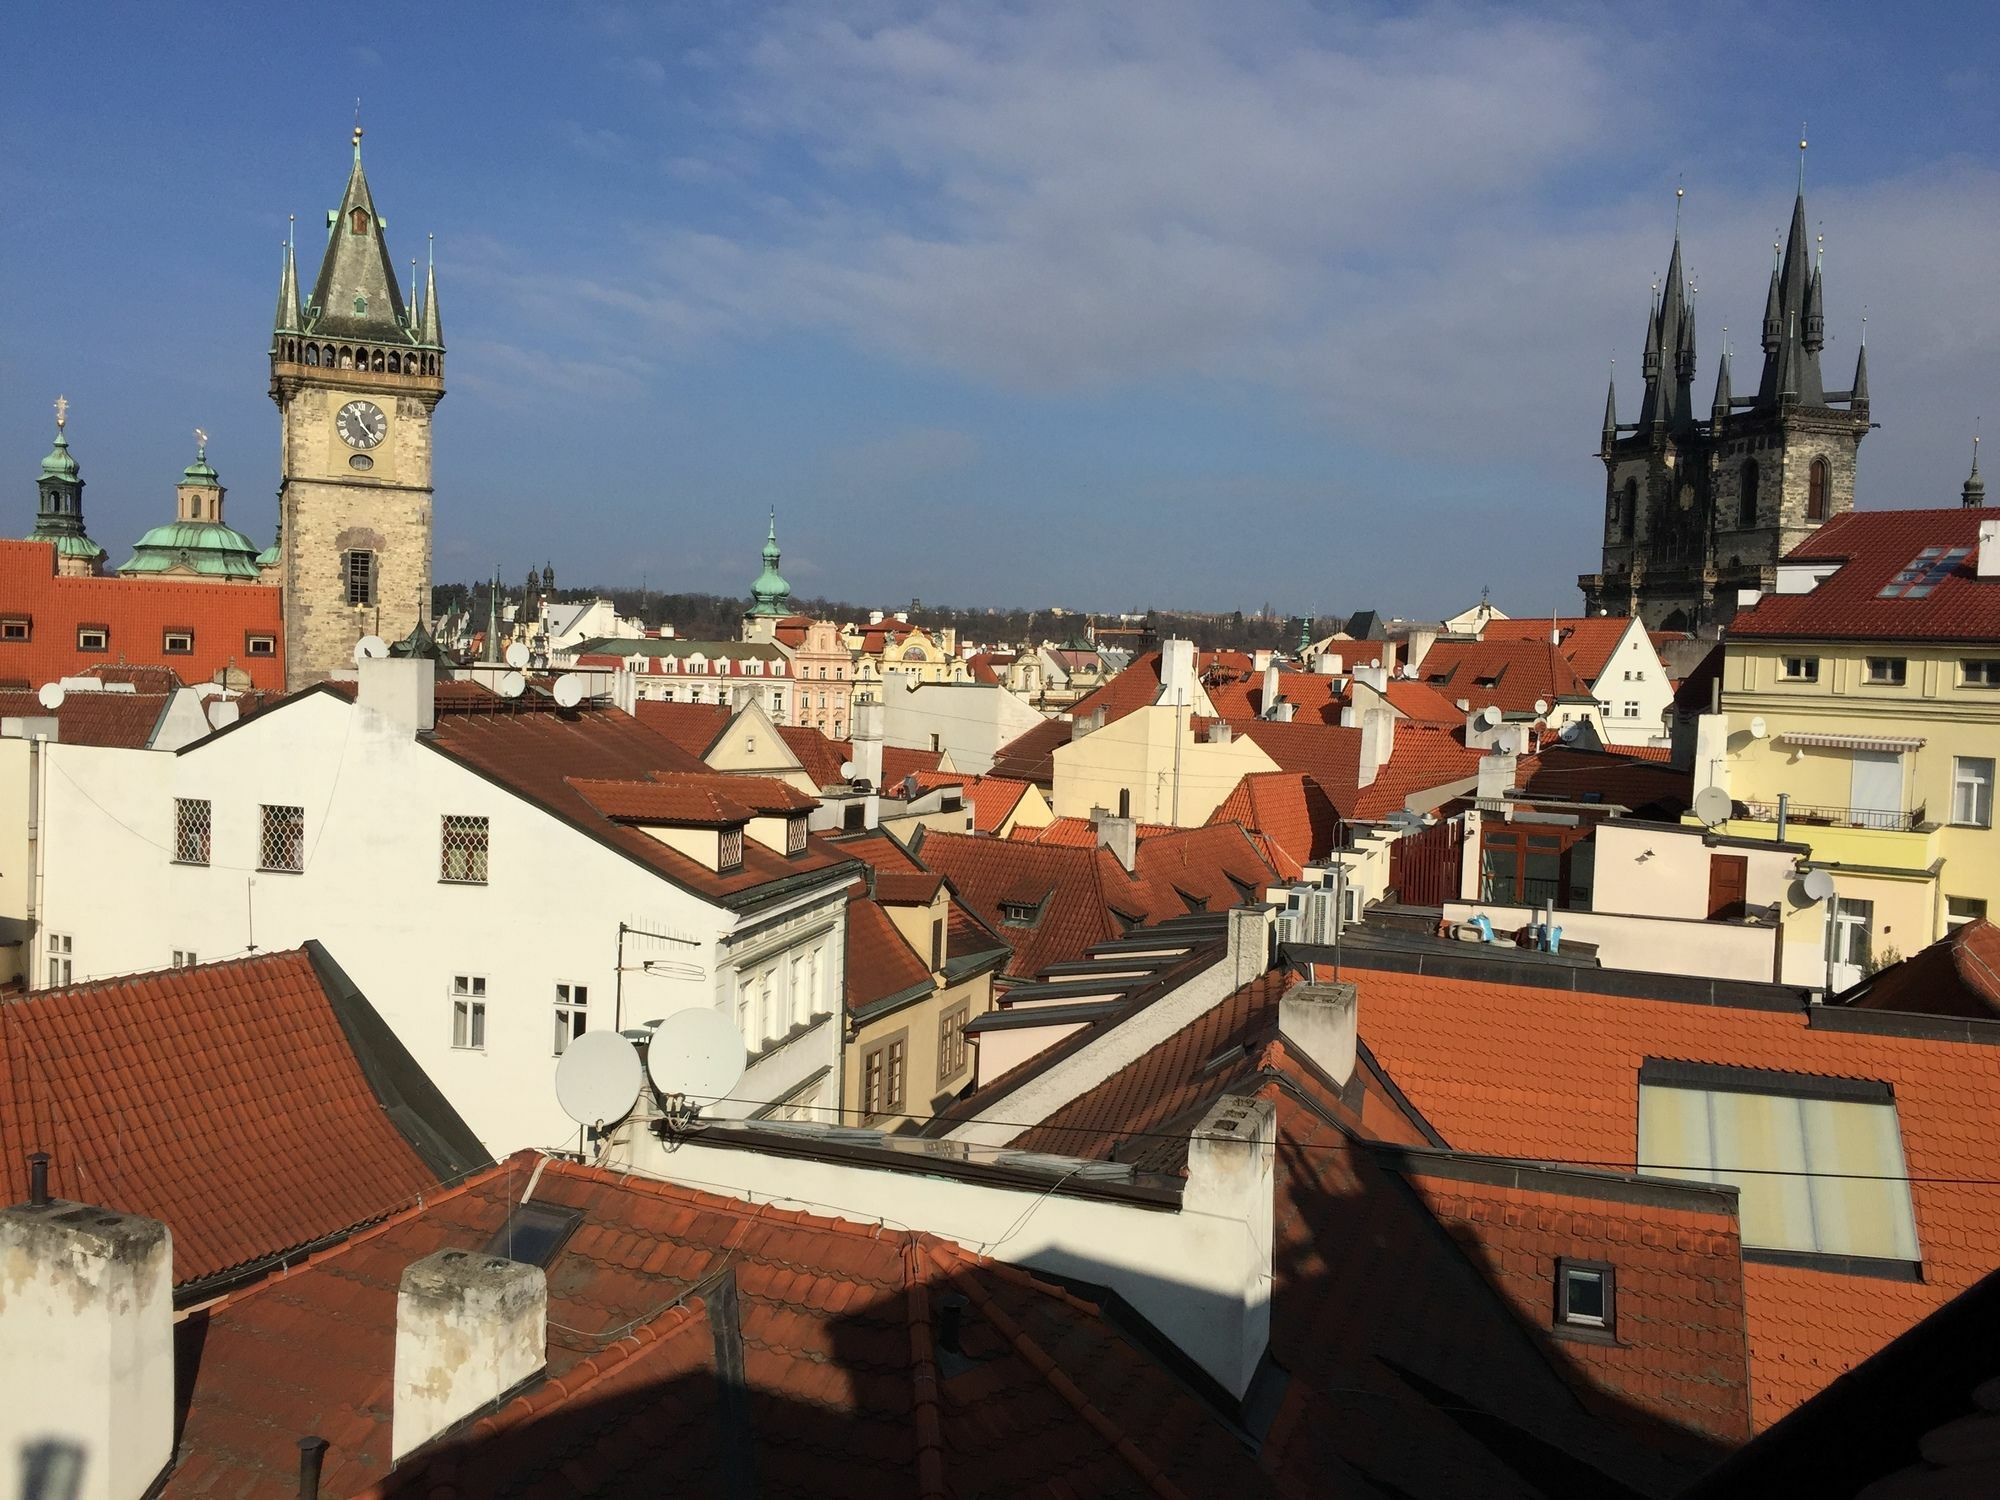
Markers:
<point>1930,568</point>
<point>1584,1296</point>
<point>534,1232</point>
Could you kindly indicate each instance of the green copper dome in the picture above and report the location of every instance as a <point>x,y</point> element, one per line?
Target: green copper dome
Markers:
<point>208,549</point>
<point>770,594</point>
<point>60,464</point>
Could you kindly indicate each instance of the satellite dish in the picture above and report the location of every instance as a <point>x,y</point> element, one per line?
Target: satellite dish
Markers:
<point>1570,732</point>
<point>696,1053</point>
<point>1487,717</point>
<point>370,648</point>
<point>1541,705</point>
<point>1712,805</point>
<point>1818,885</point>
<point>51,696</point>
<point>598,1078</point>
<point>849,770</point>
<point>569,690</point>
<point>511,685</point>
<point>1508,743</point>
<point>1759,730</point>
<point>517,655</point>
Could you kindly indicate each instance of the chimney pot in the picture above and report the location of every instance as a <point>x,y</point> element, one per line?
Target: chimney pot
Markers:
<point>312,1454</point>
<point>38,1179</point>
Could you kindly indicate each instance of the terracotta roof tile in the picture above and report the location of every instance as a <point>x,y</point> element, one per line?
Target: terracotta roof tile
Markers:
<point>1517,1071</point>
<point>225,1100</point>
<point>692,726</point>
<point>821,756</point>
<point>836,1325</point>
<point>899,762</point>
<point>880,961</point>
<point>1421,760</point>
<point>1958,975</point>
<point>992,798</point>
<point>137,613</point>
<point>123,721</point>
<point>1029,755</point>
<point>1512,675</point>
<point>1586,642</point>
<point>1872,548</point>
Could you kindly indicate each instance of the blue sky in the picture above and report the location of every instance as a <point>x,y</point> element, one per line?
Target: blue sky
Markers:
<point>1195,305</point>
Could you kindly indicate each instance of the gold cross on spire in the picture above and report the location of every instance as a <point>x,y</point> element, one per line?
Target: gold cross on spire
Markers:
<point>200,442</point>
<point>62,411</point>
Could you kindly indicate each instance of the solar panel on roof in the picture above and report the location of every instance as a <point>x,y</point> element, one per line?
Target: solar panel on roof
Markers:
<point>1925,572</point>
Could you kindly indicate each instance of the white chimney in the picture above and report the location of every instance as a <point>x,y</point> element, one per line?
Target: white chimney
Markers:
<point>1496,776</point>
<point>86,1348</point>
<point>1119,835</point>
<point>1327,664</point>
<point>402,690</point>
<point>867,743</point>
<point>1260,660</point>
<point>1177,673</point>
<point>1986,562</point>
<point>1231,1175</point>
<point>1281,712</point>
<point>469,1328</point>
<point>1220,732</point>
<point>1419,646</point>
<point>1270,689</point>
<point>1319,1021</point>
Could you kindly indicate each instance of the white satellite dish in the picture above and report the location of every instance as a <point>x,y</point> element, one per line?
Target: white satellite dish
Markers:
<point>1759,730</point>
<point>517,655</point>
<point>849,770</point>
<point>1541,705</point>
<point>511,685</point>
<point>1487,717</point>
<point>1570,732</point>
<point>697,1054</point>
<point>51,696</point>
<point>598,1078</point>
<point>569,690</point>
<point>1712,805</point>
<point>1508,743</point>
<point>1818,885</point>
<point>370,648</point>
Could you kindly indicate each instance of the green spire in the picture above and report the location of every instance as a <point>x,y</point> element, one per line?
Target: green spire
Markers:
<point>356,295</point>
<point>59,513</point>
<point>770,594</point>
<point>287,319</point>
<point>61,463</point>
<point>430,334</point>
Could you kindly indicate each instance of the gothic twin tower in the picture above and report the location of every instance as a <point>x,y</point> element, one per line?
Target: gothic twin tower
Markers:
<point>1695,510</point>
<point>356,373</point>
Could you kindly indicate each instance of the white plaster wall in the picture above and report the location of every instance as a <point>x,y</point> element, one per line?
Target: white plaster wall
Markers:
<point>373,796</point>
<point>1649,689</point>
<point>1651,945</point>
<point>17,765</point>
<point>1000,1050</point>
<point>971,720</point>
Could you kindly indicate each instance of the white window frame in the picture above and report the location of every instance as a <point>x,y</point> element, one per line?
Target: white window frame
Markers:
<point>468,1012</point>
<point>1894,671</point>
<point>572,1013</point>
<point>184,958</point>
<point>61,954</point>
<point>1798,669</point>
<point>1972,779</point>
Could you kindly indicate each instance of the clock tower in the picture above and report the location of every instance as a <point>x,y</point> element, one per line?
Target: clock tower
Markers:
<point>356,373</point>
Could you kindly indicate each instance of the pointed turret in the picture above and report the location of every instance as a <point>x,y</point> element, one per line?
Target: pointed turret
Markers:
<point>1815,337</point>
<point>770,595</point>
<point>1611,412</point>
<point>1974,492</point>
<point>356,295</point>
<point>1791,359</point>
<point>1668,401</point>
<point>287,318</point>
<point>1774,308</point>
<point>1858,397</point>
<point>1719,409</point>
<point>430,333</point>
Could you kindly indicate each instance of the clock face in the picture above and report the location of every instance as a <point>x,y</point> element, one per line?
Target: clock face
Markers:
<point>361,424</point>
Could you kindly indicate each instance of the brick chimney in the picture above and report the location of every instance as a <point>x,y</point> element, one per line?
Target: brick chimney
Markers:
<point>86,1348</point>
<point>469,1328</point>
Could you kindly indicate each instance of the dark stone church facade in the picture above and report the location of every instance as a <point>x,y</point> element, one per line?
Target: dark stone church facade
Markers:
<point>1696,510</point>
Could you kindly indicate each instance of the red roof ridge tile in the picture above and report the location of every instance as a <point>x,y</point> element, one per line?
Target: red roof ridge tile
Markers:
<point>924,1381</point>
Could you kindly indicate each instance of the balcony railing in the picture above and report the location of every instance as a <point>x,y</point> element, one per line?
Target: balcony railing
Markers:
<point>1809,815</point>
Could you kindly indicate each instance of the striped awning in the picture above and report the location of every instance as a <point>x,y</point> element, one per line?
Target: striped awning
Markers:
<point>1893,744</point>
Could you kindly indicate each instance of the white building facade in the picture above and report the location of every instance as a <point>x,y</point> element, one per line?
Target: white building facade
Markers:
<point>486,928</point>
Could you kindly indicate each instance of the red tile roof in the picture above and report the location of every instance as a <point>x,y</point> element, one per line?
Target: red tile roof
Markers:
<point>137,612</point>
<point>679,797</point>
<point>1367,1283</point>
<point>898,762</point>
<point>225,1100</point>
<point>123,721</point>
<point>1421,760</point>
<point>1517,673</point>
<point>820,756</point>
<point>881,964</point>
<point>1586,642</point>
<point>1513,1070</point>
<point>849,1389</point>
<point>692,726</point>
<point>1078,833</point>
<point>1424,704</point>
<point>991,798</point>
<point>140,679</point>
<point>1289,807</point>
<point>1028,756</point>
<point>1234,687</point>
<point>1328,753</point>
<point>1873,547</point>
<point>1958,975</point>
<point>536,755</point>
<point>1614,776</point>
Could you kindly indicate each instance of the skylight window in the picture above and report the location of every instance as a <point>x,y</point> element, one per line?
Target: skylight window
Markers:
<point>1930,568</point>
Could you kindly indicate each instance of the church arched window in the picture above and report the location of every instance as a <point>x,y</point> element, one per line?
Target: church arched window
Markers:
<point>395,365</point>
<point>312,355</point>
<point>1746,497</point>
<point>357,222</point>
<point>1628,510</point>
<point>1816,487</point>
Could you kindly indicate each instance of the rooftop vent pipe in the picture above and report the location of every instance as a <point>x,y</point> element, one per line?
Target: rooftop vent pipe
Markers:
<point>38,1179</point>
<point>312,1454</point>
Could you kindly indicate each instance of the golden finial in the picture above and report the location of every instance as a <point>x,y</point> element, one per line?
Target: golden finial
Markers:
<point>200,443</point>
<point>62,411</point>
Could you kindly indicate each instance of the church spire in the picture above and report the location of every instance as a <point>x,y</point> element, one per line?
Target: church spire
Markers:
<point>287,319</point>
<point>431,335</point>
<point>356,295</point>
<point>1974,493</point>
<point>1858,397</point>
<point>1794,323</point>
<point>1719,410</point>
<point>1670,358</point>
<point>59,511</point>
<point>770,595</point>
<point>1611,409</point>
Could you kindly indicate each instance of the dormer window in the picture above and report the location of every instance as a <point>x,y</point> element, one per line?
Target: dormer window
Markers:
<point>1020,913</point>
<point>15,628</point>
<point>1583,1295</point>
<point>795,834</point>
<point>729,850</point>
<point>177,642</point>
<point>93,637</point>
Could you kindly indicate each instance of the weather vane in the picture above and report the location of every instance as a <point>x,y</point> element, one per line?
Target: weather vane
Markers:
<point>62,411</point>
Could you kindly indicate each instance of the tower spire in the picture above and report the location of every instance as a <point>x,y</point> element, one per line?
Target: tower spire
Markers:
<point>1611,409</point>
<point>1974,492</point>
<point>287,319</point>
<point>1719,409</point>
<point>1794,325</point>
<point>431,334</point>
<point>59,508</point>
<point>355,294</point>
